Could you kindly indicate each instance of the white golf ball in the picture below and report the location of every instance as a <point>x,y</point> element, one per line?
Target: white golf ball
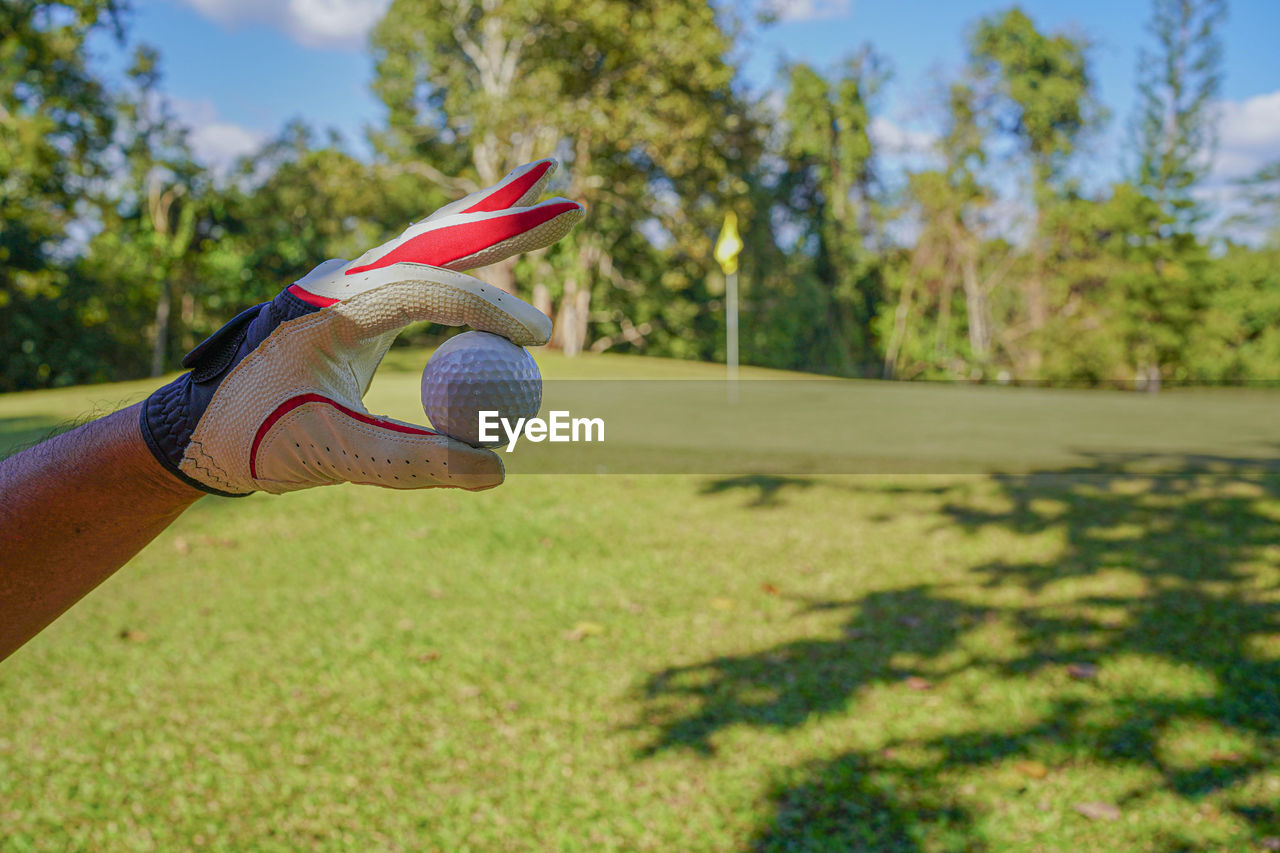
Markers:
<point>475,372</point>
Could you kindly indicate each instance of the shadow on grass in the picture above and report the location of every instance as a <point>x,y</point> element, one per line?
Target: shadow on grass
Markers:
<point>1198,549</point>
<point>766,488</point>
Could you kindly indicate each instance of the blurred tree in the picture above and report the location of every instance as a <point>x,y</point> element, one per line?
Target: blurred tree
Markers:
<point>1237,338</point>
<point>830,191</point>
<point>294,203</point>
<point>1260,194</point>
<point>1042,97</point>
<point>1178,85</point>
<point>141,258</point>
<point>55,122</point>
<point>635,99</point>
<point>949,205</point>
<point>1175,126</point>
<point>1099,266</point>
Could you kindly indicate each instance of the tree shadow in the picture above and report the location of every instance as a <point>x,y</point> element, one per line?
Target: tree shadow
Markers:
<point>784,686</point>
<point>1174,571</point>
<point>855,803</point>
<point>768,488</point>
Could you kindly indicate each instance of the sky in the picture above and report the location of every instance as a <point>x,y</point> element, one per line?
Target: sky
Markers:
<point>238,70</point>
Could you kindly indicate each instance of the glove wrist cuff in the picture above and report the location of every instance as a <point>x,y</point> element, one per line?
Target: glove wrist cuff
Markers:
<point>160,420</point>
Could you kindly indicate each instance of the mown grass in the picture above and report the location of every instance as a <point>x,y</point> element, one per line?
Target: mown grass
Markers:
<point>1083,659</point>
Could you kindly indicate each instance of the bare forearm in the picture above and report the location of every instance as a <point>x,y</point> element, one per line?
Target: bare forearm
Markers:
<point>72,511</point>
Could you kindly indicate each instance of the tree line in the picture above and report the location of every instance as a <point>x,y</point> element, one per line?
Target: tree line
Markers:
<point>991,260</point>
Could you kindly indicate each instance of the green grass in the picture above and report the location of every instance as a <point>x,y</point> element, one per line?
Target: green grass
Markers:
<point>636,662</point>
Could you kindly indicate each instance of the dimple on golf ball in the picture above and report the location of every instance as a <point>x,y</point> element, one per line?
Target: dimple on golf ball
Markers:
<point>475,372</point>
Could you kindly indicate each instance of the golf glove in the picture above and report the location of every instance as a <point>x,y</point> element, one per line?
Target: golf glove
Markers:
<point>272,401</point>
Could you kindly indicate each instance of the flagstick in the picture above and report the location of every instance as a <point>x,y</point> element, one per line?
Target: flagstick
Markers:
<point>726,253</point>
<point>731,360</point>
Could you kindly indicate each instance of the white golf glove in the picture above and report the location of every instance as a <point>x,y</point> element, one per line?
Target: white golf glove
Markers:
<point>273,399</point>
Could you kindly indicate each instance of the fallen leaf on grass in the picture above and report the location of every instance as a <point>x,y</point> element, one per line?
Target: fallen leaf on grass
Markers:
<point>1098,811</point>
<point>131,636</point>
<point>915,682</point>
<point>1083,671</point>
<point>768,589</point>
<point>1033,769</point>
<point>583,630</point>
<point>428,657</point>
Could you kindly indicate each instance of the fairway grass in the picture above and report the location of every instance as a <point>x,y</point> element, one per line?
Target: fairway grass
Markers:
<point>1078,657</point>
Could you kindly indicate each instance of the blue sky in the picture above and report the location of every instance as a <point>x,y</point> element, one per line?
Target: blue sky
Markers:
<point>239,69</point>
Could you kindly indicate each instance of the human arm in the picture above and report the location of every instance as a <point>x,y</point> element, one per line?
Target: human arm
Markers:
<point>273,402</point>
<point>73,510</point>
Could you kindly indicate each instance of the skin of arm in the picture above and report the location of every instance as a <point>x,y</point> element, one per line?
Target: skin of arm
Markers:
<point>73,510</point>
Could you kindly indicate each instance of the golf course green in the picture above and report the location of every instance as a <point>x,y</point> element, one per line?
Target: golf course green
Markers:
<point>1069,639</point>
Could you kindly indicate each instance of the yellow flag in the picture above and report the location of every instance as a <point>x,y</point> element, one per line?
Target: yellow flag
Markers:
<point>729,244</point>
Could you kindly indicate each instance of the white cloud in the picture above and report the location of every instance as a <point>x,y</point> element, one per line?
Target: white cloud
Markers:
<point>808,10</point>
<point>216,142</point>
<point>220,143</point>
<point>1248,135</point>
<point>889,137</point>
<point>342,24</point>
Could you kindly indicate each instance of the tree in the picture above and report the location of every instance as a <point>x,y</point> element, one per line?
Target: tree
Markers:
<point>948,204</point>
<point>635,99</point>
<point>1237,337</point>
<point>293,203</point>
<point>1178,85</point>
<point>829,187</point>
<point>141,256</point>
<point>1174,129</point>
<point>1261,196</point>
<point>55,123</point>
<point>1042,97</point>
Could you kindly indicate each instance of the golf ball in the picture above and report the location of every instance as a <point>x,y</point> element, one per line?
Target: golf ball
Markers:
<point>475,372</point>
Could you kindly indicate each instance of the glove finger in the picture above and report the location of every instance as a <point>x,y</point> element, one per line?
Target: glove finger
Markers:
<point>465,241</point>
<point>520,187</point>
<point>313,440</point>
<point>391,298</point>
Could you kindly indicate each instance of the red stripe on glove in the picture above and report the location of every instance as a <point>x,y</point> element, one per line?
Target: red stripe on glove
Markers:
<point>510,194</point>
<point>445,245</point>
<point>311,298</point>
<point>301,400</point>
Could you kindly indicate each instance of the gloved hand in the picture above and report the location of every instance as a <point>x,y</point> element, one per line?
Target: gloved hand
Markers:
<point>273,399</point>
